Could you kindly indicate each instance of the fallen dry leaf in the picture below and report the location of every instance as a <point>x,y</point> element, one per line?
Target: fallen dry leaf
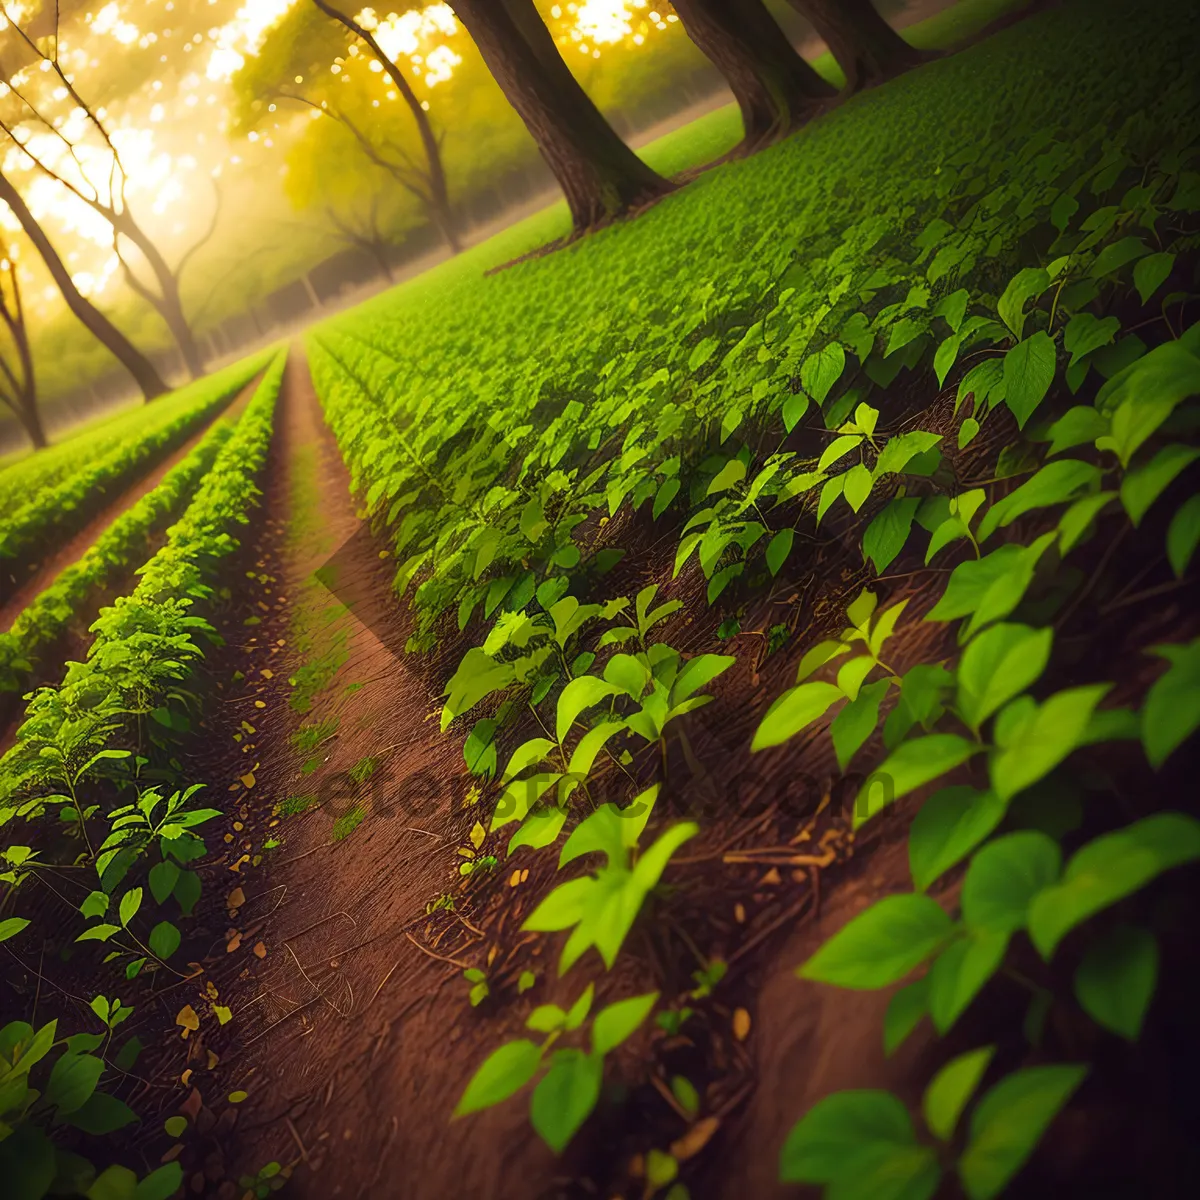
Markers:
<point>212,1060</point>
<point>741,1024</point>
<point>237,866</point>
<point>771,878</point>
<point>739,913</point>
<point>696,1138</point>
<point>260,951</point>
<point>186,1077</point>
<point>223,1014</point>
<point>233,943</point>
<point>248,778</point>
<point>236,898</point>
<point>187,1018</point>
<point>515,878</point>
<point>210,990</point>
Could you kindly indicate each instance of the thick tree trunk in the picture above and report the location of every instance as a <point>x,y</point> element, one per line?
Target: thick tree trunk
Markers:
<point>865,46</point>
<point>599,174</point>
<point>775,88</point>
<point>167,301</point>
<point>439,194</point>
<point>92,318</point>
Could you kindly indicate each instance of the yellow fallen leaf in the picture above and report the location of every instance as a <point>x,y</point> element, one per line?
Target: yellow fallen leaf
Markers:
<point>739,913</point>
<point>260,951</point>
<point>741,1024</point>
<point>248,779</point>
<point>259,704</point>
<point>187,1018</point>
<point>237,866</point>
<point>236,898</point>
<point>696,1138</point>
<point>210,990</point>
<point>223,1014</point>
<point>185,1078</point>
<point>212,1060</point>
<point>477,835</point>
<point>515,878</point>
<point>233,943</point>
<point>267,673</point>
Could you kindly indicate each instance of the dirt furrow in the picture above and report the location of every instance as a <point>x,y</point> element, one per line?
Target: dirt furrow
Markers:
<point>353,1042</point>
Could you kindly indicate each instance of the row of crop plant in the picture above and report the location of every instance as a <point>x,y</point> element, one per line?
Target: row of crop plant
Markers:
<point>93,781</point>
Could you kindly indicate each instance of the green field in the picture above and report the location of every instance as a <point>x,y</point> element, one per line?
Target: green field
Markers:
<point>807,562</point>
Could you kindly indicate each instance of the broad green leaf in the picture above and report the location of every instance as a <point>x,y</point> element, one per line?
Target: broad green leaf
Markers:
<point>1086,332</point>
<point>818,656</point>
<point>733,472</point>
<point>578,695</point>
<point>539,829</point>
<point>1115,981</point>
<point>699,672</point>
<point>1009,1122</point>
<point>1076,427</point>
<point>73,1079</point>
<point>1143,394</point>
<point>794,408</point>
<point>1117,255</point>
<point>1144,484</point>
<point>515,802</point>
<point>96,903</point>
<point>115,1183</point>
<point>910,766</point>
<point>504,1072</point>
<point>921,693</point>
<point>1076,521</point>
<point>949,826</point>
<point>130,903</point>
<point>27,1162</point>
<point>1184,535</point>
<point>960,972</point>
<point>1053,484</point>
<point>951,1089</point>
<point>163,877</point>
<point>160,1184</point>
<point>904,1013</point>
<point>796,709</point>
<point>164,939</point>
<point>1023,287</point>
<point>857,486</point>
<point>837,448</point>
<point>900,451</point>
<point>1108,869</point>
<point>1004,877</point>
<point>1032,743</point>
<point>1151,273</point>
<point>525,755</point>
<point>778,550</point>
<point>101,1114</point>
<point>577,1013</point>
<point>841,1131</point>
<point>822,370</point>
<point>997,665</point>
<point>1171,713</point>
<point>617,1022</point>
<point>881,945</point>
<point>11,926</point>
<point>565,1097</point>
<point>888,531</point>
<point>1028,373</point>
<point>857,721</point>
<point>988,589</point>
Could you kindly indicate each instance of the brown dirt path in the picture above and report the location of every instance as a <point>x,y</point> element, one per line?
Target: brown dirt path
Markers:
<point>49,569</point>
<point>353,1043</point>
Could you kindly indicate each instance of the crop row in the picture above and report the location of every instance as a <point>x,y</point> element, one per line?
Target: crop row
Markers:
<point>1041,268</point>
<point>38,472</point>
<point>97,753</point>
<point>42,624</point>
<point>53,513</point>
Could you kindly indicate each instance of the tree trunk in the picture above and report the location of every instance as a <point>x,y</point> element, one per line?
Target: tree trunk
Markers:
<point>865,46</point>
<point>92,318</point>
<point>599,174</point>
<point>775,88</point>
<point>439,194</point>
<point>167,302</point>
